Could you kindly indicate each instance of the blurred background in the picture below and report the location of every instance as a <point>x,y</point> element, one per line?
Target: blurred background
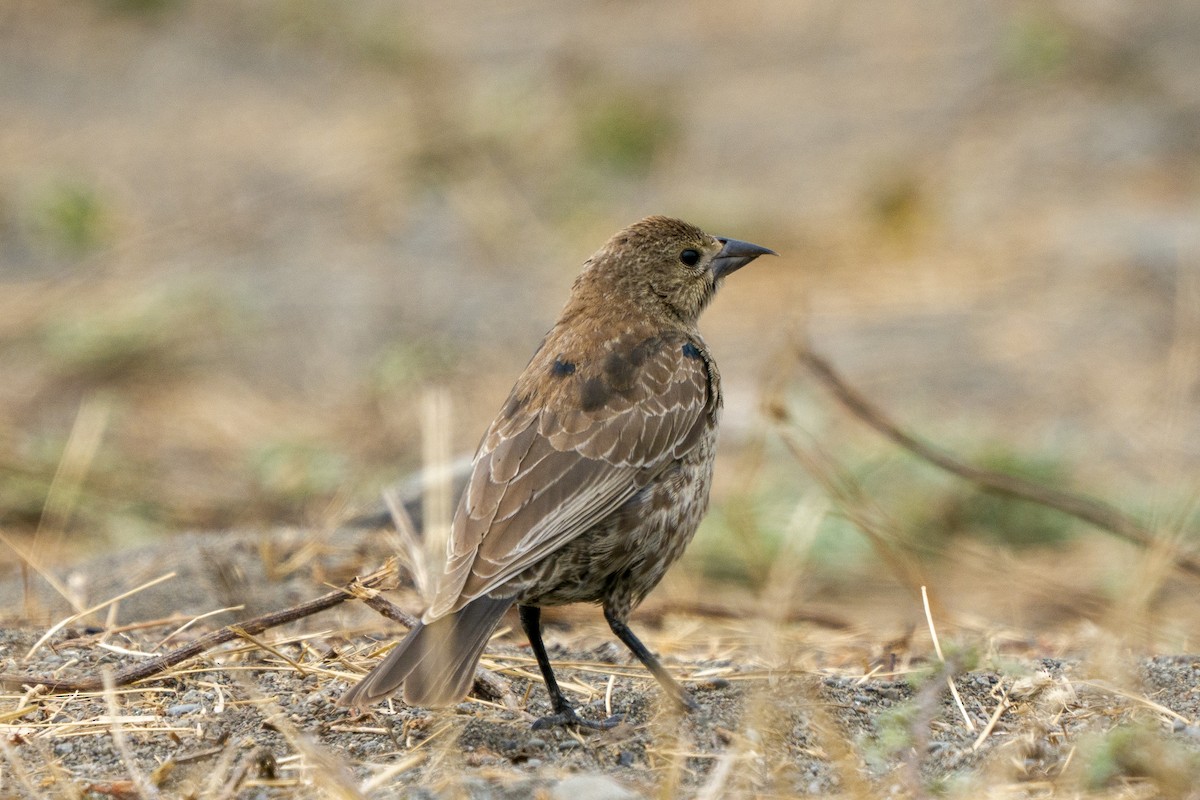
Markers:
<point>241,241</point>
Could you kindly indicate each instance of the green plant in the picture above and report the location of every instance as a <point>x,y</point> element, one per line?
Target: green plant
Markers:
<point>626,132</point>
<point>72,216</point>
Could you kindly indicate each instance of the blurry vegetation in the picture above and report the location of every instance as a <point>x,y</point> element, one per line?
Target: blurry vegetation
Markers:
<point>71,217</point>
<point>1039,43</point>
<point>899,206</point>
<point>959,509</point>
<point>444,157</point>
<point>25,481</point>
<point>930,508</point>
<point>626,131</point>
<point>1137,751</point>
<point>149,335</point>
<point>1049,41</point>
<point>406,366</point>
<point>372,35</point>
<point>288,475</point>
<point>141,7</point>
<point>745,534</point>
<point>893,733</point>
<point>136,347</point>
<point>109,500</point>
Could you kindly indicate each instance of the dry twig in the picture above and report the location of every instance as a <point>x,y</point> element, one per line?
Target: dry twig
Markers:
<point>1088,509</point>
<point>154,666</point>
<point>365,589</point>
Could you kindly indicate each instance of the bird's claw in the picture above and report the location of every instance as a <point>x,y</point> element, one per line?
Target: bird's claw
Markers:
<point>682,699</point>
<point>567,716</point>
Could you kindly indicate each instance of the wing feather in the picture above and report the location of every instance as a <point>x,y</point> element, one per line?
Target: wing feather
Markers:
<point>548,470</point>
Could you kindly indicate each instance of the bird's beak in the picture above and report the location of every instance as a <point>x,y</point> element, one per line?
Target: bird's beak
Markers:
<point>736,254</point>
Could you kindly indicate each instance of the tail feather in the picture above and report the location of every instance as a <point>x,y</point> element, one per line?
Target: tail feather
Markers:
<point>436,661</point>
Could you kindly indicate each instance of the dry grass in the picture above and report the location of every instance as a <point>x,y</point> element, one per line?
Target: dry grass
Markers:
<point>788,707</point>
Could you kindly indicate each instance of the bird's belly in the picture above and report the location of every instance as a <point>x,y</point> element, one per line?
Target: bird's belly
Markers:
<point>620,559</point>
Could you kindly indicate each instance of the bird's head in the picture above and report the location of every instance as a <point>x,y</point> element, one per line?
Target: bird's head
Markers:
<point>666,266</point>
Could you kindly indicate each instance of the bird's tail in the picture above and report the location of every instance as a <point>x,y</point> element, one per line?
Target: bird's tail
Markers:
<point>436,661</point>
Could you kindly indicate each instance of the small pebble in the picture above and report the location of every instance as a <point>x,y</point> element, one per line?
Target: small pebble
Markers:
<point>183,708</point>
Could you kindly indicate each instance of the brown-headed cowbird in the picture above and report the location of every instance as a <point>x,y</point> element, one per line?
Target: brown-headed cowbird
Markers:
<point>595,475</point>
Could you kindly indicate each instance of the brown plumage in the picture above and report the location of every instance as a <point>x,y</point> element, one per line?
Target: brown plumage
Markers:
<point>594,476</point>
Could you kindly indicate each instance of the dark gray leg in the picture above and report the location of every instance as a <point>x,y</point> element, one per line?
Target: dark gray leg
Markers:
<point>564,713</point>
<point>669,684</point>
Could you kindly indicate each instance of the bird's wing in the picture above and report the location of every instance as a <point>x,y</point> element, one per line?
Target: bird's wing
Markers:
<point>552,466</point>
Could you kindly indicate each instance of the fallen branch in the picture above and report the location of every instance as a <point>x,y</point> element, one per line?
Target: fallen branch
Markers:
<point>365,589</point>
<point>1089,510</point>
<point>359,587</point>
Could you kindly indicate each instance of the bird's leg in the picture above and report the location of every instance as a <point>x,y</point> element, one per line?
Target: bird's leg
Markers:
<point>564,712</point>
<point>669,684</point>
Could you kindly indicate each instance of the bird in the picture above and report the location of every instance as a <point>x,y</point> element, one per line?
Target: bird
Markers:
<point>593,477</point>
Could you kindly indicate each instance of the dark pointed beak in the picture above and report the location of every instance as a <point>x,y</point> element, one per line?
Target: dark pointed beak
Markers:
<point>735,255</point>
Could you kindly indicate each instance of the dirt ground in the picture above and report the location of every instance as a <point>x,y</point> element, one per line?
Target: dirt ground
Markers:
<point>795,706</point>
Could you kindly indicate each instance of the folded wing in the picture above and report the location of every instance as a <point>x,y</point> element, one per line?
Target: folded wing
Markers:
<point>565,453</point>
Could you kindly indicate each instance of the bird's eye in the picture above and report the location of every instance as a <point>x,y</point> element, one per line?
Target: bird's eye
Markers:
<point>689,257</point>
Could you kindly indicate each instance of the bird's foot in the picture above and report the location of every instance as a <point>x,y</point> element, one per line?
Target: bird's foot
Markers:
<point>687,703</point>
<point>681,698</point>
<point>566,716</point>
